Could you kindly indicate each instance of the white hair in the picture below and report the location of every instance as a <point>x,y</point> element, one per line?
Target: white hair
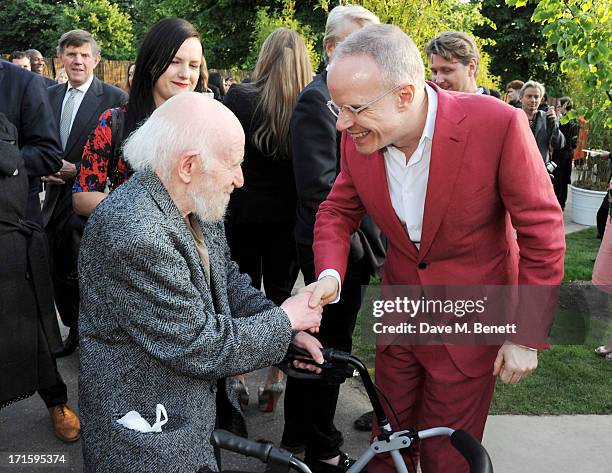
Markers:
<point>343,14</point>
<point>532,84</point>
<point>394,52</point>
<point>159,142</point>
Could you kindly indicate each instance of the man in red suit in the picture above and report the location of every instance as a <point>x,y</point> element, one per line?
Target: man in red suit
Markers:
<point>456,183</point>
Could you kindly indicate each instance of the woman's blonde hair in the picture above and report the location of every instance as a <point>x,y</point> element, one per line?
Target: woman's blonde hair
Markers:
<point>283,69</point>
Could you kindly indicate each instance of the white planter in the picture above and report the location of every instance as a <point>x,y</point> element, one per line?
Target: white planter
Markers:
<point>585,204</point>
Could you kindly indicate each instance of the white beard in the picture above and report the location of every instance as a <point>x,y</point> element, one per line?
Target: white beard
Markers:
<point>208,206</point>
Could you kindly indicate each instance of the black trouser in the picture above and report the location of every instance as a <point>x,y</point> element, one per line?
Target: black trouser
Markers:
<point>57,394</point>
<point>562,175</point>
<point>64,241</point>
<point>265,250</point>
<point>310,405</point>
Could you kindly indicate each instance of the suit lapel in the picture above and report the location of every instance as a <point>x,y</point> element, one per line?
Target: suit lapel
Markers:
<point>56,99</point>
<point>385,206</point>
<point>89,105</point>
<point>447,152</point>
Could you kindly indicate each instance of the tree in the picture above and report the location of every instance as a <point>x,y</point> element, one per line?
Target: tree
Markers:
<point>226,26</point>
<point>266,23</point>
<point>111,27</point>
<point>29,24</point>
<point>425,19</point>
<point>519,49</point>
<point>581,33</point>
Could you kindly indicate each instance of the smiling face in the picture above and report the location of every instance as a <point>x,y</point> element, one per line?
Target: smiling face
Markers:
<point>79,63</point>
<point>182,74</point>
<point>356,80</point>
<point>38,62</point>
<point>453,75</point>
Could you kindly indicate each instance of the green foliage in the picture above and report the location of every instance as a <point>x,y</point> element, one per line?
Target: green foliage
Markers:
<point>581,251</point>
<point>518,48</point>
<point>226,26</point>
<point>111,27</point>
<point>581,33</point>
<point>267,22</point>
<point>433,17</point>
<point>570,380</point>
<point>28,24</point>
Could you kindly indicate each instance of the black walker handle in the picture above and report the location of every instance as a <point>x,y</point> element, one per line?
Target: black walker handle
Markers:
<point>472,451</point>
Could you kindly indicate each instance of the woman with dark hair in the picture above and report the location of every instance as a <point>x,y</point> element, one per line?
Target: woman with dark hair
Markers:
<point>129,76</point>
<point>168,63</point>
<point>261,215</point>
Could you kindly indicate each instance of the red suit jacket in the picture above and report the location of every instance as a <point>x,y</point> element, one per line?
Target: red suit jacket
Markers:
<point>486,177</point>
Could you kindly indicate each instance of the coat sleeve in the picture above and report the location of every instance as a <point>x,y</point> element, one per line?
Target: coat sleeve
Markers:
<point>337,219</point>
<point>314,150</point>
<point>38,135</point>
<point>528,196</point>
<point>161,311</point>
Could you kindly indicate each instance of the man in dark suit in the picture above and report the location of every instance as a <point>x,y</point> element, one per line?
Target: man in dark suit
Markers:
<point>25,104</point>
<point>316,161</point>
<point>28,322</point>
<point>76,106</point>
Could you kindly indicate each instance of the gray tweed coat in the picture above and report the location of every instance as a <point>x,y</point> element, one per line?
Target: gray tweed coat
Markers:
<point>153,331</point>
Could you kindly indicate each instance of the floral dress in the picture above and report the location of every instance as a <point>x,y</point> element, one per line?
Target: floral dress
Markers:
<point>93,174</point>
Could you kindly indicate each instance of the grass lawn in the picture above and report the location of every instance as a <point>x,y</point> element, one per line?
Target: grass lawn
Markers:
<point>570,379</point>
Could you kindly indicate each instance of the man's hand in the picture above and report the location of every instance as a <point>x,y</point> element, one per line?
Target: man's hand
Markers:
<point>54,179</point>
<point>551,114</point>
<point>68,170</point>
<point>313,346</point>
<point>301,315</point>
<point>514,363</point>
<point>323,291</point>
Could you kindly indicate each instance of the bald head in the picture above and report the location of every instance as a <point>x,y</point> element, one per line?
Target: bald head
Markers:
<point>195,145</point>
<point>186,122</point>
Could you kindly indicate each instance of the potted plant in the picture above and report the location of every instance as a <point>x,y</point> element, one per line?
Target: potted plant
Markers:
<point>589,185</point>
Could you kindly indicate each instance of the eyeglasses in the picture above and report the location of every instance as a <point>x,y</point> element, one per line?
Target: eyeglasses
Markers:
<point>336,109</point>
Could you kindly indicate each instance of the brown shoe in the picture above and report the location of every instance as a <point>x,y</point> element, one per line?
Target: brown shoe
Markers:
<point>65,423</point>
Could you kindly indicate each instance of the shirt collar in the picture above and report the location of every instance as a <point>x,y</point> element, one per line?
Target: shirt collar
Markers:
<point>432,111</point>
<point>83,87</point>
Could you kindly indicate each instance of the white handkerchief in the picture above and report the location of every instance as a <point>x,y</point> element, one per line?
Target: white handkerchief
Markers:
<point>133,420</point>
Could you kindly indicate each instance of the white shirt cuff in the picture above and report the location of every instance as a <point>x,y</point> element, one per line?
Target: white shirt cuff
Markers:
<point>335,274</point>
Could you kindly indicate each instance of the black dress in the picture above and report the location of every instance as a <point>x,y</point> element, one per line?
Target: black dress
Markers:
<point>261,214</point>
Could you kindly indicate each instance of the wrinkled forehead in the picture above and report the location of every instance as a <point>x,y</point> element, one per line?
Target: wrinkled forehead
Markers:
<point>83,48</point>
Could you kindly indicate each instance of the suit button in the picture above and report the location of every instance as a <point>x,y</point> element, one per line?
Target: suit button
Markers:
<point>422,265</point>
<point>213,389</point>
<point>28,276</point>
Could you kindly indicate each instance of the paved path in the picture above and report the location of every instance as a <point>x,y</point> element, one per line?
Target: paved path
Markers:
<point>560,444</point>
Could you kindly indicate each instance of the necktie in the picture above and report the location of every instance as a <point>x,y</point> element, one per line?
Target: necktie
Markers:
<point>67,117</point>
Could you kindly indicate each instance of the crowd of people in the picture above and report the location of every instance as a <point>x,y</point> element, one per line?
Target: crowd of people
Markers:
<point>170,202</point>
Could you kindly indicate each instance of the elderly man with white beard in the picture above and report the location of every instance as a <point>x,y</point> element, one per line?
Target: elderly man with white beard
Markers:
<point>165,314</point>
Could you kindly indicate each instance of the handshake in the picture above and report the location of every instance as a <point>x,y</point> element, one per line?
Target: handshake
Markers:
<point>305,310</point>
<point>306,307</point>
